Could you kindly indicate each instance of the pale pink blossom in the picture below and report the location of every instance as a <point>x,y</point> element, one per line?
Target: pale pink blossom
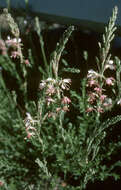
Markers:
<point>110,81</point>
<point>98,90</point>
<point>100,110</point>
<point>90,109</point>
<point>58,109</point>
<point>66,100</point>
<point>50,90</point>
<point>65,108</point>
<point>15,54</point>
<point>47,82</point>
<point>92,97</point>
<point>49,100</point>
<point>1,183</point>
<point>102,97</point>
<point>92,82</point>
<point>27,62</point>
<point>29,135</point>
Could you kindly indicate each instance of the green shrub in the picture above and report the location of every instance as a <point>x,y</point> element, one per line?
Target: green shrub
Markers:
<point>41,147</point>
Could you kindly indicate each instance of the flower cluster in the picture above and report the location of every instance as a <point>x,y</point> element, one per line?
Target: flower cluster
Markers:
<point>63,84</point>
<point>14,44</point>
<point>98,98</point>
<point>54,93</point>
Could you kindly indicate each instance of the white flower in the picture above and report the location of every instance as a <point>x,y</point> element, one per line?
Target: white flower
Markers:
<point>110,65</point>
<point>28,116</point>
<point>12,42</point>
<point>8,37</point>
<point>119,102</point>
<point>92,74</point>
<point>110,62</point>
<point>65,84</point>
<point>67,80</point>
<point>91,71</point>
<point>42,84</point>
<point>51,80</point>
<point>15,40</point>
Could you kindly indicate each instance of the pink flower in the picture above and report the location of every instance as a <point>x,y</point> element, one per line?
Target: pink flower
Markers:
<point>102,97</point>
<point>110,81</point>
<point>100,110</point>
<point>1,183</point>
<point>98,90</point>
<point>90,109</point>
<point>30,134</point>
<point>66,100</point>
<point>50,90</point>
<point>92,98</point>
<point>15,54</point>
<point>92,82</point>
<point>65,108</point>
<point>49,100</point>
<point>58,109</point>
<point>26,62</point>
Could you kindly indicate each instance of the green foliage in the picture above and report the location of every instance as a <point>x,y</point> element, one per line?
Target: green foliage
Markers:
<point>40,146</point>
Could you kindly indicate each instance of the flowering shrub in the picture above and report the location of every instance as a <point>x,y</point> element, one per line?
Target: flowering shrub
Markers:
<point>60,152</point>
